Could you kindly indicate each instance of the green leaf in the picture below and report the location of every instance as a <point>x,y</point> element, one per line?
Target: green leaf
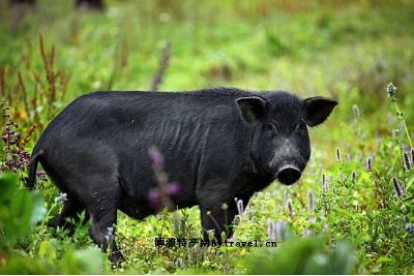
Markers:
<point>47,251</point>
<point>85,261</point>
<point>341,260</point>
<point>8,185</point>
<point>38,209</point>
<point>18,220</point>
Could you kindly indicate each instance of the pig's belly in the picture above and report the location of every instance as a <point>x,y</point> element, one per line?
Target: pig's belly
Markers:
<point>140,209</point>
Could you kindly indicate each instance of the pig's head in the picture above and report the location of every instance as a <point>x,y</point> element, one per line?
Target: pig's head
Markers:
<point>280,143</point>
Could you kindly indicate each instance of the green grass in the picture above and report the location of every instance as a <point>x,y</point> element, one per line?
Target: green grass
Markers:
<point>349,51</point>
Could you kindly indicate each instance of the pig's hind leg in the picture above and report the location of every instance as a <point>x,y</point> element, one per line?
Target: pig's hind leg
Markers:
<point>69,215</point>
<point>91,177</point>
<point>102,207</point>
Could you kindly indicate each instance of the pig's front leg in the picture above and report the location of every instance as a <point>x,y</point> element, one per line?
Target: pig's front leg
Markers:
<point>218,215</point>
<point>218,220</point>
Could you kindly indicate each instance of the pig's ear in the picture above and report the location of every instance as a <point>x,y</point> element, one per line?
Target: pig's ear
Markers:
<point>252,108</point>
<point>318,109</point>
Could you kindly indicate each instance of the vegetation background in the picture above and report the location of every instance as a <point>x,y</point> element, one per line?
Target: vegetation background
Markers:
<point>351,212</point>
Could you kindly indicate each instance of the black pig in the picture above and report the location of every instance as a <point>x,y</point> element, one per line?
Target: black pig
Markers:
<point>218,144</point>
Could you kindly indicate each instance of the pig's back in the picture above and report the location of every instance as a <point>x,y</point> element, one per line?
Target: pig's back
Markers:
<point>112,117</point>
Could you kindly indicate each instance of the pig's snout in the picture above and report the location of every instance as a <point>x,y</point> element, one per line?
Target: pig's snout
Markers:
<point>288,174</point>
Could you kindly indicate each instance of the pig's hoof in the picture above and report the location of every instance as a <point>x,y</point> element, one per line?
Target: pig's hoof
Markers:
<point>116,258</point>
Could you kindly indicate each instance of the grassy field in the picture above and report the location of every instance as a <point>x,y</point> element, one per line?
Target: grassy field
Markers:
<point>351,212</point>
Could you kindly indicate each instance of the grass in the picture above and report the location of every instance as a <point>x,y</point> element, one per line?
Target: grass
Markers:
<point>349,51</point>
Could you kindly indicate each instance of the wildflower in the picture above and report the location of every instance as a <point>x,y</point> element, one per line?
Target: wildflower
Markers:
<point>61,198</point>
<point>173,188</point>
<point>325,187</point>
<point>271,229</point>
<point>409,228</point>
<point>368,163</point>
<point>397,187</point>
<point>338,154</point>
<point>306,232</point>
<point>41,175</point>
<point>379,141</point>
<point>330,177</point>
<point>154,197</point>
<point>412,155</point>
<point>325,228</point>
<point>311,201</point>
<point>289,207</point>
<point>353,177</point>
<point>407,162</point>
<point>391,90</point>
<point>323,179</point>
<point>348,158</point>
<point>240,207</point>
<point>320,168</point>
<point>233,238</point>
<point>355,109</point>
<point>279,228</point>
<point>157,157</point>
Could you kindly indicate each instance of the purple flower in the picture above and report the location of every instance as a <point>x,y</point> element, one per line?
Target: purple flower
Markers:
<point>233,238</point>
<point>353,177</point>
<point>279,228</point>
<point>41,175</point>
<point>311,201</point>
<point>412,155</point>
<point>369,163</point>
<point>157,158</point>
<point>154,196</point>
<point>409,228</point>
<point>271,229</point>
<point>289,207</point>
<point>397,187</point>
<point>173,188</point>
<point>407,162</point>
<point>379,141</point>
<point>355,109</point>
<point>61,198</point>
<point>338,155</point>
<point>240,206</point>
<point>325,187</point>
<point>391,90</point>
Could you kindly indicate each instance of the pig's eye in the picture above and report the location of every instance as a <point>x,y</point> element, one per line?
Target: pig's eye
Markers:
<point>300,126</point>
<point>271,128</point>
